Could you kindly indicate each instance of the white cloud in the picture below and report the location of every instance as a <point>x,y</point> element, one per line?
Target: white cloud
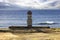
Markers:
<point>1,0</point>
<point>36,4</point>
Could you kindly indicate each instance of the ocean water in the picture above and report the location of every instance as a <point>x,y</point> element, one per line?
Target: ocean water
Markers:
<point>19,17</point>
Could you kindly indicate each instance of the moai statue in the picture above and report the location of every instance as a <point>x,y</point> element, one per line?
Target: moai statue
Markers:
<point>29,20</point>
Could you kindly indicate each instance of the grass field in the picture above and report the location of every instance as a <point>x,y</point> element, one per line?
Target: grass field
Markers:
<point>31,36</point>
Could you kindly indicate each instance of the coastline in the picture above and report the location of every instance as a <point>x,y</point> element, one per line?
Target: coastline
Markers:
<point>31,36</point>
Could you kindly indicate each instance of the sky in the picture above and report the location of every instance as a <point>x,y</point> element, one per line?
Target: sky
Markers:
<point>25,4</point>
<point>34,4</point>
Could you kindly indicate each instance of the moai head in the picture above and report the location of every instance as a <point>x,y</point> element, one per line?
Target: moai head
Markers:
<point>29,12</point>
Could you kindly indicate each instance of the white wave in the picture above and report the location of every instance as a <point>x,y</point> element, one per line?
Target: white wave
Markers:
<point>50,22</point>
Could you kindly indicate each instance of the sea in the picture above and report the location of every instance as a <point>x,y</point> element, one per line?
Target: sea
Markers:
<point>19,18</point>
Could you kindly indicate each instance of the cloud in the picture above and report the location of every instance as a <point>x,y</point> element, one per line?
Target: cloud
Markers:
<point>36,4</point>
<point>8,6</point>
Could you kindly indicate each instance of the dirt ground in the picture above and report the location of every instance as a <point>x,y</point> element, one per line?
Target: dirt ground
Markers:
<point>29,36</point>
